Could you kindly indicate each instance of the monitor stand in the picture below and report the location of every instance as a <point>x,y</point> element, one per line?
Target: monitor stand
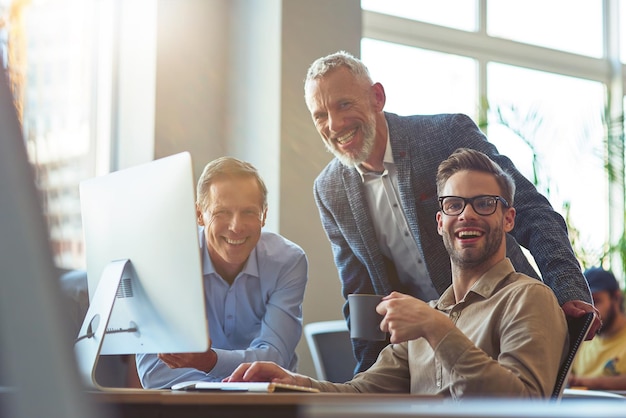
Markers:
<point>91,335</point>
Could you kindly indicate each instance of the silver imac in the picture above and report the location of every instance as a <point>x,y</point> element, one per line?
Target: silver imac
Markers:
<point>143,264</point>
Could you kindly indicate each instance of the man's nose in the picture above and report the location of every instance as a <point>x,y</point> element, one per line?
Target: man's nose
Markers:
<point>334,122</point>
<point>236,222</point>
<point>468,212</point>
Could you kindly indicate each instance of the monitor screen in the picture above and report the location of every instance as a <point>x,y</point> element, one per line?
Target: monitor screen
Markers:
<point>141,234</point>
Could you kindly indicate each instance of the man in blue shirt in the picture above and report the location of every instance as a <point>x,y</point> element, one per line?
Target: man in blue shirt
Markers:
<point>254,283</point>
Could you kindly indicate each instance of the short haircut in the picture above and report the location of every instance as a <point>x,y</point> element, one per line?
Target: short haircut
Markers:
<point>471,160</point>
<point>324,65</point>
<point>227,167</point>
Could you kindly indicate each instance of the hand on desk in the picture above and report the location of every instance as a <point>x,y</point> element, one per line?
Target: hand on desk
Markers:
<point>576,308</point>
<point>266,371</point>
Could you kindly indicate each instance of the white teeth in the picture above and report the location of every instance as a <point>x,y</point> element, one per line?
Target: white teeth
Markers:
<point>342,140</point>
<point>469,234</point>
<point>235,241</point>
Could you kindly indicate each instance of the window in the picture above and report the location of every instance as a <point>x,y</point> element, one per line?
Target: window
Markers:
<point>561,146</point>
<point>84,76</point>
<point>567,25</point>
<point>435,12</point>
<point>446,84</point>
<point>428,65</point>
<point>53,50</point>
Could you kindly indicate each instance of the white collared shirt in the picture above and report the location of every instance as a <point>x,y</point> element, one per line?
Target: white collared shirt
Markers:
<point>392,231</point>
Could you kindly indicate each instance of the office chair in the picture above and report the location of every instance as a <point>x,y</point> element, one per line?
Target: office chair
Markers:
<point>331,349</point>
<point>577,328</point>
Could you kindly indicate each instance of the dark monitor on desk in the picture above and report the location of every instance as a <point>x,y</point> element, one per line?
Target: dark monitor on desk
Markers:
<point>143,263</point>
<point>37,365</point>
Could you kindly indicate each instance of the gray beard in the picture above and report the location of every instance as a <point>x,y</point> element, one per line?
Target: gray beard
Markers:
<point>348,160</point>
<point>369,137</point>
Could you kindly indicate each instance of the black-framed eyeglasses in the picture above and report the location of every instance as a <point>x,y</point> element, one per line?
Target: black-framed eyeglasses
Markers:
<point>484,205</point>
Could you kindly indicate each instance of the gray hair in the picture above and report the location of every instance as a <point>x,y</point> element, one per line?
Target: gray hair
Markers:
<point>324,65</point>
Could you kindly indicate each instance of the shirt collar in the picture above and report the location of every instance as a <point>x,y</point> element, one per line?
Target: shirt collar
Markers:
<point>250,268</point>
<point>485,286</point>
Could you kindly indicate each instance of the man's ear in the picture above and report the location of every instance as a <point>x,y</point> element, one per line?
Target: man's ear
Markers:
<point>264,217</point>
<point>199,218</point>
<point>380,98</point>
<point>509,219</point>
<point>439,222</point>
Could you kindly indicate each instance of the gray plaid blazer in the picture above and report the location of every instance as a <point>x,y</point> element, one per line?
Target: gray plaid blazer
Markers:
<point>419,144</point>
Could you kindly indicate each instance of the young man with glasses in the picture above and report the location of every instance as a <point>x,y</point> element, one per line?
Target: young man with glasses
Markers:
<point>493,333</point>
<point>254,282</point>
<point>377,197</point>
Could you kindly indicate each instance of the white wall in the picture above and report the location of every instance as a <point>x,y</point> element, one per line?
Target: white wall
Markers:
<point>191,90</point>
<point>230,82</point>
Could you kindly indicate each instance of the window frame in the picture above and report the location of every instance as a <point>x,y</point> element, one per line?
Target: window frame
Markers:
<point>478,45</point>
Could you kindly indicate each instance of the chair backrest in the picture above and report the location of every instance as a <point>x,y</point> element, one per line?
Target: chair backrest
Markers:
<point>331,349</point>
<point>577,329</point>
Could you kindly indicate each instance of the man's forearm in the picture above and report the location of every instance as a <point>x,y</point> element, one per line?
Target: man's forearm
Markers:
<point>601,382</point>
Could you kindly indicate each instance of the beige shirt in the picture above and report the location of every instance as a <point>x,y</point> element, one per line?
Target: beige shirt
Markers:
<point>509,340</point>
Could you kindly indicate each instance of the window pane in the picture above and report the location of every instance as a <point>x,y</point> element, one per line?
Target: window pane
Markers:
<point>622,33</point>
<point>419,81</point>
<point>58,113</point>
<point>568,25</point>
<point>560,120</point>
<point>435,12</point>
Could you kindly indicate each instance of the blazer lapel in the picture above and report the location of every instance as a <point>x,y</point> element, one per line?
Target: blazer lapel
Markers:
<point>402,158</point>
<point>366,235</point>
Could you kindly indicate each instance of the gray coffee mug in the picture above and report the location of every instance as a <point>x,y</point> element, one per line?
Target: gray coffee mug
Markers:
<point>364,320</point>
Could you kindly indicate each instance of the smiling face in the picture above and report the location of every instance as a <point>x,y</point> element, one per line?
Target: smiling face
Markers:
<point>345,110</point>
<point>233,218</point>
<point>474,241</point>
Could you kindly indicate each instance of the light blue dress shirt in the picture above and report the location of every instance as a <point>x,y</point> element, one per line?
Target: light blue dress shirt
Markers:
<point>258,317</point>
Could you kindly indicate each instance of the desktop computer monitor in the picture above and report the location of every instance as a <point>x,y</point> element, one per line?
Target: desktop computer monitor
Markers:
<point>143,264</point>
